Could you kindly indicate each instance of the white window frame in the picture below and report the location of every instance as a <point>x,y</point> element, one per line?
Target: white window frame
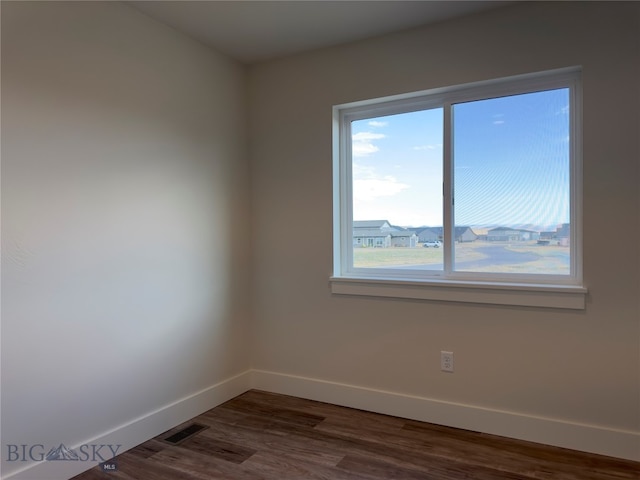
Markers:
<point>555,291</point>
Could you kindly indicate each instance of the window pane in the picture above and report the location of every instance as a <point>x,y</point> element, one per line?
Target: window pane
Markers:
<point>397,191</point>
<point>512,184</point>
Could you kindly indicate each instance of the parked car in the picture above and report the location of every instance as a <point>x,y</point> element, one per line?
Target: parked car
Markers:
<point>432,243</point>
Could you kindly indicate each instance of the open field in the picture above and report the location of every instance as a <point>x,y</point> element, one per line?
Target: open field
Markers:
<point>494,257</point>
<point>390,257</point>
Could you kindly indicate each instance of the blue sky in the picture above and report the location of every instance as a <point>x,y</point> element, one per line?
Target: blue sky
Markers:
<point>511,163</point>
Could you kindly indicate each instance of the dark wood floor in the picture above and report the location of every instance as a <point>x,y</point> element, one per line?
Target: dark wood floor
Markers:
<point>261,435</point>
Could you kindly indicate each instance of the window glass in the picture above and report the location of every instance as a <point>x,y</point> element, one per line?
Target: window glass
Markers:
<point>512,184</point>
<point>396,170</point>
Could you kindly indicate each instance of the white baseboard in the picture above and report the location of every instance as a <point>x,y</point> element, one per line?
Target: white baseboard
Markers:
<point>140,429</point>
<point>587,438</point>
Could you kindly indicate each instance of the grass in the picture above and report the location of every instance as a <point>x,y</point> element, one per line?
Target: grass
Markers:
<point>390,257</point>
<point>549,259</point>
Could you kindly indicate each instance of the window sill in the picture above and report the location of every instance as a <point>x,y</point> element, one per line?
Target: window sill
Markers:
<point>528,295</point>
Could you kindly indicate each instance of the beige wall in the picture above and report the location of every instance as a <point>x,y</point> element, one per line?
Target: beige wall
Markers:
<point>126,236</point>
<point>576,367</point>
<point>124,221</point>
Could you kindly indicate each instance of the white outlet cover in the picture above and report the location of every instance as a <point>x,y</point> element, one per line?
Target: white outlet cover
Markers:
<point>446,361</point>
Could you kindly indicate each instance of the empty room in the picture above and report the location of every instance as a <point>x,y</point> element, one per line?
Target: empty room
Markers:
<point>320,240</point>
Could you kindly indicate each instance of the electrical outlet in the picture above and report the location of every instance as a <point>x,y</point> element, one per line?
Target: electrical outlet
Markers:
<point>446,361</point>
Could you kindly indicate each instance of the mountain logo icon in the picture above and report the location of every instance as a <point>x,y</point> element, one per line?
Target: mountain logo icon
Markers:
<point>62,453</point>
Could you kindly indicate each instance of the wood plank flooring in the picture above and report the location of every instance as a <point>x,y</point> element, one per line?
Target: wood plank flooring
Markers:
<point>267,436</point>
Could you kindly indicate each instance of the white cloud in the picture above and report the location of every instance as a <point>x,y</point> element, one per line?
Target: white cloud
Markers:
<point>428,147</point>
<point>365,136</point>
<point>371,188</point>
<point>362,143</point>
<point>376,123</point>
<point>362,149</point>
<point>369,185</point>
<point>498,118</point>
<point>362,171</point>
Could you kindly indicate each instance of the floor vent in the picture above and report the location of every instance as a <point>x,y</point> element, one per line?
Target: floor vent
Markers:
<point>185,433</point>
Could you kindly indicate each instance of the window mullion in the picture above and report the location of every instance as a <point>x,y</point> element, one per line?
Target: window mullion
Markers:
<point>346,223</point>
<point>447,189</point>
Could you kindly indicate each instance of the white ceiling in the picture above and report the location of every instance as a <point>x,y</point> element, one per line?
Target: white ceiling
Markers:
<point>251,31</point>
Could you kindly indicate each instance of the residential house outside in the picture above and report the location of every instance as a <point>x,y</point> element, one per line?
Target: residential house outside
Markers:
<point>430,234</point>
<point>560,236</point>
<point>461,234</point>
<point>506,234</point>
<point>381,234</point>
<point>370,237</point>
<point>404,238</point>
<point>563,234</point>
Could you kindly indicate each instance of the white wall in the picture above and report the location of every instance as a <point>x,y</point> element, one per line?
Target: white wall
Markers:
<point>566,377</point>
<point>125,225</point>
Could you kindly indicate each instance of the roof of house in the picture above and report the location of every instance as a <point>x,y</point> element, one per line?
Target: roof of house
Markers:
<point>402,233</point>
<point>459,231</point>
<point>396,227</point>
<point>370,223</point>
<point>370,232</point>
<point>502,229</point>
<point>434,230</point>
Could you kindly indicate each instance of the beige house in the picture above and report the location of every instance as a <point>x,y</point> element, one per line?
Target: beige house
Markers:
<point>506,234</point>
<point>461,233</point>
<point>381,234</point>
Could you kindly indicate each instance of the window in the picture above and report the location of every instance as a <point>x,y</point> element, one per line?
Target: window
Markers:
<point>466,193</point>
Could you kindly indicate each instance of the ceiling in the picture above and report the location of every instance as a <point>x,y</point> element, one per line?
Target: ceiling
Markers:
<point>252,31</point>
